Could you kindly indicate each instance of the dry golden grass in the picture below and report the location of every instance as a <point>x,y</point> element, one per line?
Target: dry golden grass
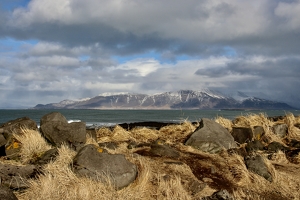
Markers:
<point>59,182</point>
<point>226,123</point>
<point>33,144</point>
<point>177,133</point>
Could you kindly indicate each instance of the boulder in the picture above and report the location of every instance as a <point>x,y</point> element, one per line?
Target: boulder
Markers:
<point>257,165</point>
<point>57,133</point>
<point>46,157</point>
<point>254,145</point>
<point>280,130</point>
<point>53,117</point>
<point>242,134</point>
<point>90,162</point>
<point>258,132</point>
<point>16,177</point>
<point>276,146</point>
<point>7,194</point>
<point>294,143</point>
<point>15,126</point>
<point>211,137</point>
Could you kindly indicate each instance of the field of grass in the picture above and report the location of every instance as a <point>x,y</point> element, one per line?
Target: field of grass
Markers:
<point>163,178</point>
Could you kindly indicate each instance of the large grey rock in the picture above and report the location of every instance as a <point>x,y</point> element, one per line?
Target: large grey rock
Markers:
<point>57,133</point>
<point>16,177</point>
<point>211,137</point>
<point>15,126</point>
<point>281,130</point>
<point>257,165</point>
<point>242,134</point>
<point>7,194</point>
<point>90,162</point>
<point>53,117</point>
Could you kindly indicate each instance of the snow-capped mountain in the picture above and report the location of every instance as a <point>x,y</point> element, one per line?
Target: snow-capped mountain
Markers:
<point>183,99</point>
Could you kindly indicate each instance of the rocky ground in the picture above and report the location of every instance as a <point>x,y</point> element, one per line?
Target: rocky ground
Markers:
<point>250,157</point>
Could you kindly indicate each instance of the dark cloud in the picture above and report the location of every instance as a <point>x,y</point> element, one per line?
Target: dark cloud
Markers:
<point>249,46</point>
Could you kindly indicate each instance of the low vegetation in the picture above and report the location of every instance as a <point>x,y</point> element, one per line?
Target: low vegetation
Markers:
<point>162,178</point>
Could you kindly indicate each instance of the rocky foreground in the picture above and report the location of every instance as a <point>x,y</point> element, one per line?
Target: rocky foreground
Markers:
<point>251,157</point>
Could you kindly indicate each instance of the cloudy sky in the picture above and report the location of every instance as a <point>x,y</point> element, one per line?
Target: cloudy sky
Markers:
<point>51,50</point>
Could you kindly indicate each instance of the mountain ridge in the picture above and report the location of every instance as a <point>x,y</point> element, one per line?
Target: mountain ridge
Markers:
<point>182,99</point>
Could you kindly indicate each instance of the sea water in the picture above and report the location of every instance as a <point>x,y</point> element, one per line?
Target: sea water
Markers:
<point>98,118</point>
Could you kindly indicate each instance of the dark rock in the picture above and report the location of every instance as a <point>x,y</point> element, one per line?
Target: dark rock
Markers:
<point>280,129</point>
<point>16,177</point>
<point>258,132</point>
<point>276,118</point>
<point>293,155</point>
<point>15,126</point>
<point>7,194</point>
<point>46,157</point>
<point>3,142</point>
<point>211,137</point>
<point>242,134</point>
<point>219,195</point>
<point>294,143</point>
<point>276,146</point>
<point>257,165</point>
<point>53,117</point>
<point>159,149</point>
<point>255,145</point>
<point>155,125</point>
<point>91,163</point>
<point>109,145</point>
<point>57,133</point>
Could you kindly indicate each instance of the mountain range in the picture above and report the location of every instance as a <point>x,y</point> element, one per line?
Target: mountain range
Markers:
<point>183,99</point>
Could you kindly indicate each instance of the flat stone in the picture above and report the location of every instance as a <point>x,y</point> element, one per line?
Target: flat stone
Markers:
<point>90,162</point>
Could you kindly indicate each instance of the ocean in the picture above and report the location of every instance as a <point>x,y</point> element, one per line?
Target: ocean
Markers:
<point>98,118</point>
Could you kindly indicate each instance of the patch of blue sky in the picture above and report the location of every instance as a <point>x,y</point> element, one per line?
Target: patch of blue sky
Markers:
<point>10,5</point>
<point>148,55</point>
<point>229,51</point>
<point>10,44</point>
<point>84,58</point>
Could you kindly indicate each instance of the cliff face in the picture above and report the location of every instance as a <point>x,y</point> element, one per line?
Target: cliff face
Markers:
<point>183,99</point>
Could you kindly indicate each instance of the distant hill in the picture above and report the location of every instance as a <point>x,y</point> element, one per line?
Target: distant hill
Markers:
<point>183,99</point>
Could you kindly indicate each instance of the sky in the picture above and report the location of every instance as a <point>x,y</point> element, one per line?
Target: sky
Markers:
<point>51,50</point>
